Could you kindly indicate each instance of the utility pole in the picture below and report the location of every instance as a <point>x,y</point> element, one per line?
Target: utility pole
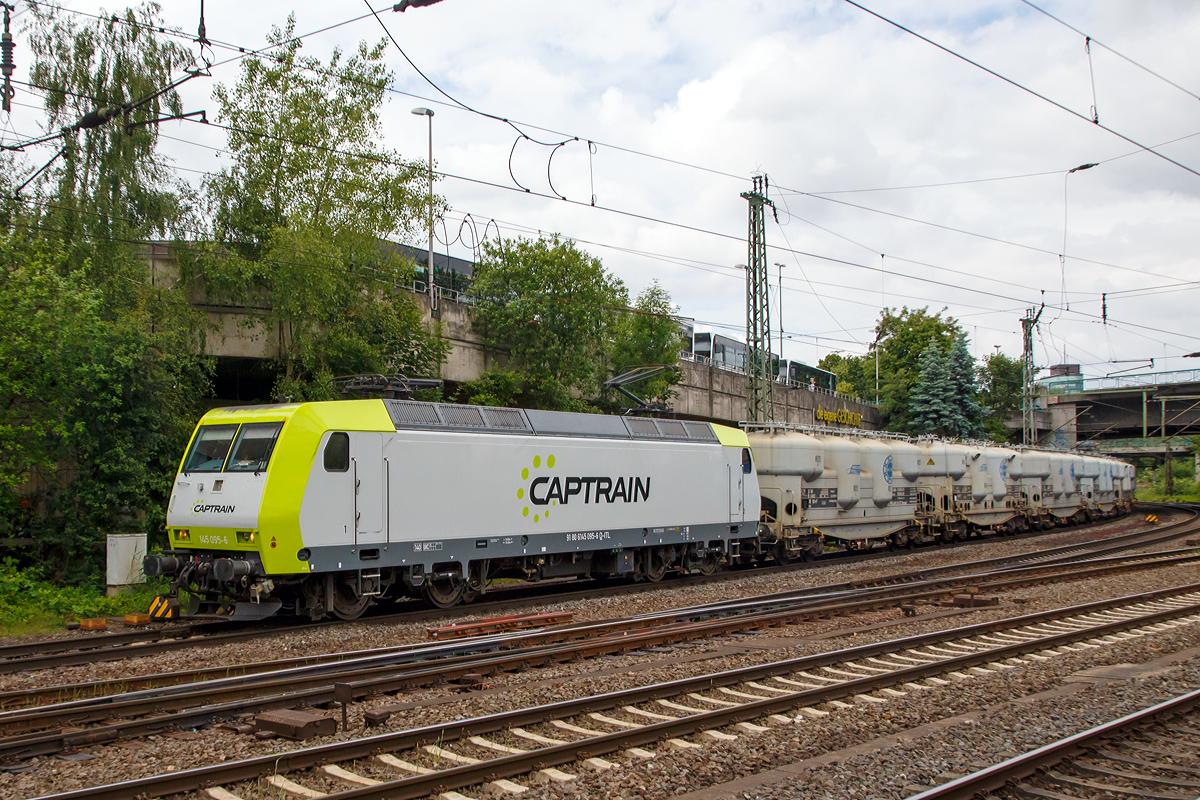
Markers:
<point>760,394</point>
<point>1029,371</point>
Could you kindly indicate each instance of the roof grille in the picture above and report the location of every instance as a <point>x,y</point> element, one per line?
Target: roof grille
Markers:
<point>463,416</point>
<point>672,428</point>
<point>700,430</point>
<point>641,427</point>
<point>405,412</point>
<point>505,418</point>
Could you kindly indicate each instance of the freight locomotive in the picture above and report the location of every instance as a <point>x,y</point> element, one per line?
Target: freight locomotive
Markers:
<point>325,508</point>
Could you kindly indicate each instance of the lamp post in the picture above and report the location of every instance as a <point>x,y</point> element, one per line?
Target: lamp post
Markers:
<point>428,112</point>
<point>781,266</point>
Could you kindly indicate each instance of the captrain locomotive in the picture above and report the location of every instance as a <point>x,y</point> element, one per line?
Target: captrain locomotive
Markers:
<point>324,508</point>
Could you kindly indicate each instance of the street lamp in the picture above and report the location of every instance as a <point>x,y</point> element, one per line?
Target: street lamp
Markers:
<point>781,266</point>
<point>428,112</point>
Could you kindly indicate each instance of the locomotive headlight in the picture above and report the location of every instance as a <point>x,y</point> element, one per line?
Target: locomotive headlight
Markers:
<point>183,535</point>
<point>246,537</point>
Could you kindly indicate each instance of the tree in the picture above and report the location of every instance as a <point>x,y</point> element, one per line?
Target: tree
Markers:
<point>649,335</point>
<point>109,190</point>
<point>931,403</point>
<point>94,412</point>
<point>1000,382</point>
<point>552,306</point>
<point>300,218</point>
<point>963,390</point>
<point>852,374</point>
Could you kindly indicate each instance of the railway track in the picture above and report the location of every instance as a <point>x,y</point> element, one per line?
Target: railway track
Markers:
<point>48,654</point>
<point>1153,753</point>
<point>505,752</point>
<point>47,729</point>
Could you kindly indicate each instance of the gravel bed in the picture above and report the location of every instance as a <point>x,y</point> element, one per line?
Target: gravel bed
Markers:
<point>183,750</point>
<point>348,637</point>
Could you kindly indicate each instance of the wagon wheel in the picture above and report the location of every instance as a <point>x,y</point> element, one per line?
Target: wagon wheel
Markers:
<point>445,592</point>
<point>656,569</point>
<point>347,603</point>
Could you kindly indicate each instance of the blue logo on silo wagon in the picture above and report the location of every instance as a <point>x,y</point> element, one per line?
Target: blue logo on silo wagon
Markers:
<point>1003,470</point>
<point>887,469</point>
<point>855,469</point>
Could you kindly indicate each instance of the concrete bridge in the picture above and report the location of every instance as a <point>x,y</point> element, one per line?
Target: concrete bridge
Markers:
<point>708,391</point>
<point>1142,415</point>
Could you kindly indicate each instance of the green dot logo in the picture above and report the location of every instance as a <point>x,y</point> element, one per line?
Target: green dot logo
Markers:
<point>523,490</point>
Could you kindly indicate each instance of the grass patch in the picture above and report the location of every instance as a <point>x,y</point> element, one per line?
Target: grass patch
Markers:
<point>29,605</point>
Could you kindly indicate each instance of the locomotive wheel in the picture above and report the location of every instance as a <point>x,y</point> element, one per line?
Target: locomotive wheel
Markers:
<point>445,592</point>
<point>656,569</point>
<point>346,604</point>
<point>708,565</point>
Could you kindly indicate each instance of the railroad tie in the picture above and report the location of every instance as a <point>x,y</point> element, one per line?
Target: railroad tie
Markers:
<point>400,764</point>
<point>488,744</point>
<point>840,704</point>
<point>866,698</point>
<point>891,666</point>
<point>712,700</point>
<point>735,693</point>
<point>647,714</point>
<point>916,687</point>
<point>620,723</point>
<point>680,744</point>
<point>346,775</point>
<point>763,688</point>
<point>280,782</point>
<point>717,736</point>
<point>893,693</point>
<point>503,787</point>
<point>449,755</point>
<point>453,796</point>
<point>566,726</point>
<point>798,684</point>
<point>854,675</point>
<point>217,793</point>
<point>820,678</point>
<point>534,737</point>
<point>679,707</point>
<point>598,764</point>
<point>637,752</point>
<point>937,681</point>
<point>750,727</point>
<point>864,667</point>
<point>813,713</point>
<point>552,775</point>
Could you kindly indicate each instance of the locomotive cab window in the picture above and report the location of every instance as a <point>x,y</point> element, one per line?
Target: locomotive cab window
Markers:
<point>337,452</point>
<point>747,466</point>
<point>254,445</point>
<point>209,448</point>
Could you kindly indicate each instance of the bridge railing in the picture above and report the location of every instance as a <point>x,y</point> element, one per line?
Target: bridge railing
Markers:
<point>1074,384</point>
<point>739,370</point>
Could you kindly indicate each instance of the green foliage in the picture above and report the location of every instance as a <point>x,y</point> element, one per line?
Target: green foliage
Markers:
<point>649,335</point>
<point>931,400</point>
<point>1000,379</point>
<point>94,411</point>
<point>300,217</point>
<point>855,376</point>
<point>552,307</point>
<point>30,604</point>
<point>1152,482</point>
<point>108,189</point>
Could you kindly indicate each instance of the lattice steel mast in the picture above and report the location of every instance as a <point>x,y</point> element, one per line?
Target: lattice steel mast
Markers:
<point>760,382</point>
<point>1028,373</point>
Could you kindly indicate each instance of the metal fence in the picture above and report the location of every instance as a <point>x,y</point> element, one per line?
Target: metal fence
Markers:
<point>1075,385</point>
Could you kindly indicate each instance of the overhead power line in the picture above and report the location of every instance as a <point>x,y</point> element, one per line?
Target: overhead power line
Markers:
<point>1023,88</point>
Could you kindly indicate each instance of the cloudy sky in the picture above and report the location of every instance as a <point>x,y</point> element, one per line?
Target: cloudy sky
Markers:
<point>901,174</point>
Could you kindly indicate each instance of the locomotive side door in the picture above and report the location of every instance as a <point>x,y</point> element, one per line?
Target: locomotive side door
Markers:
<point>737,485</point>
<point>366,467</point>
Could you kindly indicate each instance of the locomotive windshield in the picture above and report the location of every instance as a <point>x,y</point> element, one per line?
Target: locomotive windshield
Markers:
<point>210,448</point>
<point>253,448</point>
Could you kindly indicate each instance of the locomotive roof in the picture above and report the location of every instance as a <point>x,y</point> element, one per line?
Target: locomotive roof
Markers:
<point>417,415</point>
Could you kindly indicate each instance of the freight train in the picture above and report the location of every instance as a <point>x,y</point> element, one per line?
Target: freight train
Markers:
<point>328,507</point>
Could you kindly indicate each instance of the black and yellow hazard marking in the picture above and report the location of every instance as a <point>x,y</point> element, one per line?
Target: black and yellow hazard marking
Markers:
<point>163,607</point>
<point>1152,519</point>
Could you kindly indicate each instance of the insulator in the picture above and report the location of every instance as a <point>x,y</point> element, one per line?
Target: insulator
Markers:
<point>7,65</point>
